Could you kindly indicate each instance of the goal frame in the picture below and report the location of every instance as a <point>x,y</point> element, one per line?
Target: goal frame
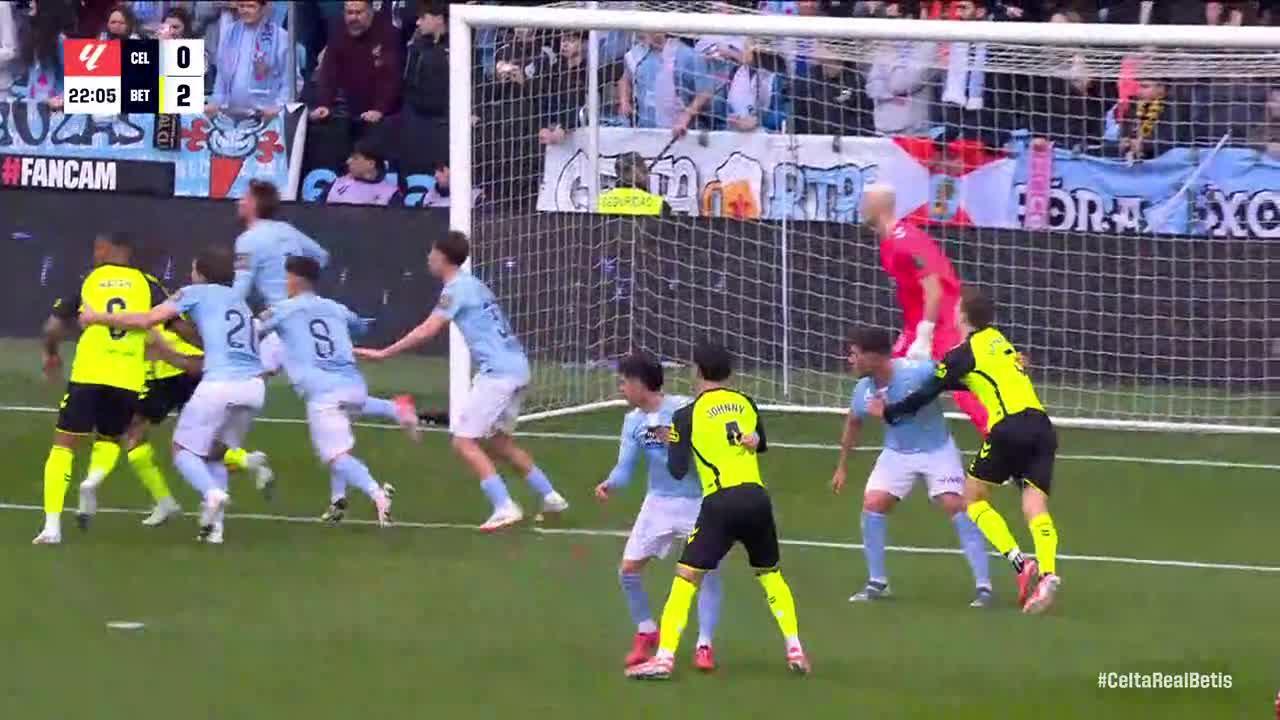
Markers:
<point>463,19</point>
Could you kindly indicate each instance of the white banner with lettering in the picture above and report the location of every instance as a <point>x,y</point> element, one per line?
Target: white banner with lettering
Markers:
<point>806,177</point>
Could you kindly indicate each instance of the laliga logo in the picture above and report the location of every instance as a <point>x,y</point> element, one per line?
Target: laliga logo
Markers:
<point>91,54</point>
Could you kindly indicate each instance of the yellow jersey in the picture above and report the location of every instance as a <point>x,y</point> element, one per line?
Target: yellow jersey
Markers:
<point>987,365</point>
<point>708,433</point>
<point>159,369</point>
<point>105,356</point>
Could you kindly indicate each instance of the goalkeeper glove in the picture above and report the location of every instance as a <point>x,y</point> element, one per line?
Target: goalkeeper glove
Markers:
<point>922,347</point>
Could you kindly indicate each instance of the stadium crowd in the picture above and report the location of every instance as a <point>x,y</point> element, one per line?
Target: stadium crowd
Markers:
<point>374,75</point>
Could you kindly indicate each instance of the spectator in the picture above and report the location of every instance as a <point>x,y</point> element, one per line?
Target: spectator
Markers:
<point>364,64</point>
<point>742,96</point>
<point>831,98</point>
<point>8,48</point>
<point>562,87</point>
<point>122,24</point>
<point>660,82</point>
<point>977,104</point>
<point>1066,105</point>
<point>900,86</point>
<point>150,14</point>
<point>42,50</point>
<point>438,195</point>
<point>423,123</point>
<point>1266,135</point>
<point>176,24</point>
<point>366,181</point>
<point>1152,124</point>
<point>252,64</point>
<point>91,17</point>
<point>515,58</point>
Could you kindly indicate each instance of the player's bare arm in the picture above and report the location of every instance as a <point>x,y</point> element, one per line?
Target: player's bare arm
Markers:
<point>54,332</point>
<point>922,347</point>
<point>848,441</point>
<point>157,315</point>
<point>428,329</point>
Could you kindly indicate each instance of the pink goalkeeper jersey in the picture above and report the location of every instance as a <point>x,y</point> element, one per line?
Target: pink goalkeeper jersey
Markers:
<point>909,255</point>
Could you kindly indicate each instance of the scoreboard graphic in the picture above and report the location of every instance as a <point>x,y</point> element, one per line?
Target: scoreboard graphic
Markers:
<point>110,77</point>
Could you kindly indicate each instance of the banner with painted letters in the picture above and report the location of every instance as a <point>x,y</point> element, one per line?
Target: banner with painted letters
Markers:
<point>208,157</point>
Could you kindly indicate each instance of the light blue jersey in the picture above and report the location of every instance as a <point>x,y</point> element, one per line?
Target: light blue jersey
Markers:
<point>260,254</point>
<point>226,330</point>
<point>316,333</point>
<point>924,431</point>
<point>495,350</point>
<point>639,436</point>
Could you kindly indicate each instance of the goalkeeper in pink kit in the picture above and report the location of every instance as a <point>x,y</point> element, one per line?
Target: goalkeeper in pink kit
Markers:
<point>928,290</point>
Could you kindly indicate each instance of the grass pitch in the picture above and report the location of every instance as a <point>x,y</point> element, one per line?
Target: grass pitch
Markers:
<point>432,619</point>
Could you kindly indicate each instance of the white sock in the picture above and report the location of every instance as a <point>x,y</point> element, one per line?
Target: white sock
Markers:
<point>647,627</point>
<point>703,641</point>
<point>53,522</point>
<point>664,654</point>
<point>793,643</point>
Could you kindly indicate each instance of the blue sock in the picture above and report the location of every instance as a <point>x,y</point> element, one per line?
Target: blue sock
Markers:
<point>194,470</point>
<point>538,482</point>
<point>378,407</point>
<point>975,548</point>
<point>874,530</point>
<point>218,471</point>
<point>708,607</point>
<point>637,601</point>
<point>356,474</point>
<point>496,490</point>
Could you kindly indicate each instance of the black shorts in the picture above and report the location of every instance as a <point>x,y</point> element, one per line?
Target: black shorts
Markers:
<point>1021,447</point>
<point>738,514</point>
<point>163,396</point>
<point>100,409</point>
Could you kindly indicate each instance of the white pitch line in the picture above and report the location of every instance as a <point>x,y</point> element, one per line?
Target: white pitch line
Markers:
<point>589,532</point>
<point>1193,462</point>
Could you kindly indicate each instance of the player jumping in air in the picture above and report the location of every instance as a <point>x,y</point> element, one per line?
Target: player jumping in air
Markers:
<point>317,336</point>
<point>107,376</point>
<point>928,290</point>
<point>231,390</point>
<point>918,447</point>
<point>261,251</point>
<point>720,434</point>
<point>491,409</point>
<point>668,513</point>
<point>1021,446</point>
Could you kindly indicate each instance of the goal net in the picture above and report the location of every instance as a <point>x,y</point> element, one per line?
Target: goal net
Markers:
<point>1115,189</point>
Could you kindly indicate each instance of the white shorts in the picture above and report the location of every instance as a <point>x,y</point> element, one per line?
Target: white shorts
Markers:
<point>329,419</point>
<point>221,411</point>
<point>896,473</point>
<point>663,521</point>
<point>492,407</point>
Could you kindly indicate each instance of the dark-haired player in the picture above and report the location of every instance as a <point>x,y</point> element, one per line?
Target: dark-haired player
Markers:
<point>261,251</point>
<point>1021,445</point>
<point>490,411</point>
<point>669,511</point>
<point>231,390</point>
<point>720,434</point>
<point>109,372</point>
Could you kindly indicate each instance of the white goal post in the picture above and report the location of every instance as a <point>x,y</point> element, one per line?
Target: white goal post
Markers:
<point>1143,331</point>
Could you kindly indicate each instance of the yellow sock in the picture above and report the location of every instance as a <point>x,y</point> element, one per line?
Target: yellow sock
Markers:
<point>992,526</point>
<point>1045,536</point>
<point>781,604</point>
<point>143,461</point>
<point>102,460</point>
<point>236,459</point>
<point>57,475</point>
<point>675,614</point>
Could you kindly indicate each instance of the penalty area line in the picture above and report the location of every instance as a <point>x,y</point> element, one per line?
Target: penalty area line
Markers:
<point>590,532</point>
<point>1192,462</point>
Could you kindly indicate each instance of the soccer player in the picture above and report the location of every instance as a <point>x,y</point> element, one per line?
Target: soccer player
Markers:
<point>261,251</point>
<point>1021,446</point>
<point>231,390</point>
<point>668,513</point>
<point>917,448</point>
<point>317,336</point>
<point>720,434</point>
<point>490,411</point>
<point>928,290</point>
<point>107,375</point>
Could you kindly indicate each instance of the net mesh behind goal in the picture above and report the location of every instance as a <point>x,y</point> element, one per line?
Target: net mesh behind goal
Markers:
<point>1089,191</point>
